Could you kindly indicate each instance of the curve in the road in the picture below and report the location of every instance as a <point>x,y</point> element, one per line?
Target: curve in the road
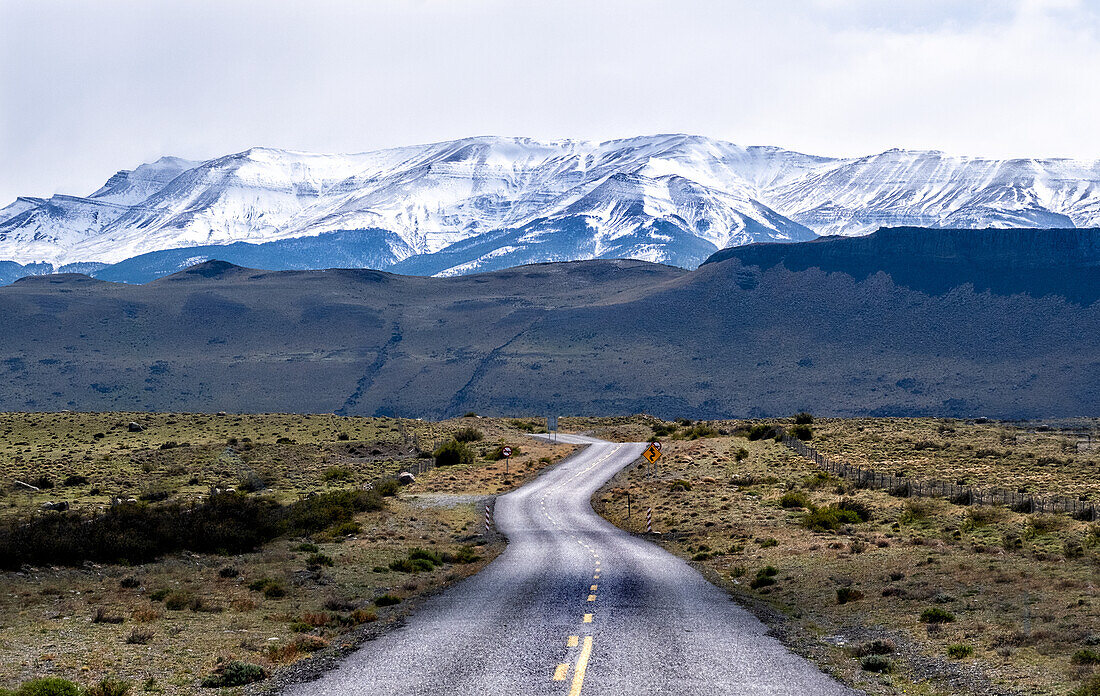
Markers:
<point>576,606</point>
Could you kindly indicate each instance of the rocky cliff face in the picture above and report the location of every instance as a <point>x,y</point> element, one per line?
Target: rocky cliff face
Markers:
<point>1063,262</point>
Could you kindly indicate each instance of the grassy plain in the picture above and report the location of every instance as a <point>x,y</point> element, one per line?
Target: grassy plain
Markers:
<point>978,600</point>
<point>165,625</point>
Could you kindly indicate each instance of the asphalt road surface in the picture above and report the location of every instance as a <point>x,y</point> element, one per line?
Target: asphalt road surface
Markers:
<point>576,606</point>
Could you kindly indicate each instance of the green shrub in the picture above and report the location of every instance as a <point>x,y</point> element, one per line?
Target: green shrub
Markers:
<point>1085,657</point>
<point>768,543</point>
<point>49,686</point>
<point>75,480</point>
<point>696,432</point>
<point>275,589</point>
<point>828,518</point>
<point>958,651</point>
<point>453,453</point>
<point>765,577</point>
<point>235,673</point>
<point>226,523</point>
<point>874,647</point>
<point>338,473</point>
<point>877,663</point>
<point>316,560</point>
<point>803,418</point>
<point>1090,687</point>
<point>177,600</point>
<point>861,509</point>
<point>109,687</point>
<point>935,615</point>
<point>469,435</point>
<point>386,600</point>
<point>741,454</point>
<point>802,432</point>
<point>761,432</point>
<point>794,499</point>
<point>847,594</point>
<point>388,487</point>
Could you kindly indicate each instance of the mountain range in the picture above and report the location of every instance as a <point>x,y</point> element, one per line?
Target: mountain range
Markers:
<point>487,203</point>
<point>910,321</point>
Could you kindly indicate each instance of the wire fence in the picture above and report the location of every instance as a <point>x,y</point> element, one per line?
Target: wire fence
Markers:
<point>907,487</point>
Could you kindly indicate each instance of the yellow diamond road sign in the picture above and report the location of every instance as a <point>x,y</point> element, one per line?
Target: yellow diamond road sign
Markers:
<point>652,453</point>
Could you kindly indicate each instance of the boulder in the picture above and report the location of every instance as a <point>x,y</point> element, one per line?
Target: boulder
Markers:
<point>134,428</point>
<point>61,506</point>
<point>405,478</point>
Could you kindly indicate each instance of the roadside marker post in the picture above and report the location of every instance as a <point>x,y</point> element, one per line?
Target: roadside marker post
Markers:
<point>488,519</point>
<point>507,452</point>
<point>649,521</point>
<point>652,454</point>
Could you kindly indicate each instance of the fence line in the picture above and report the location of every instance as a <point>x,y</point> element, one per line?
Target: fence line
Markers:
<point>908,487</point>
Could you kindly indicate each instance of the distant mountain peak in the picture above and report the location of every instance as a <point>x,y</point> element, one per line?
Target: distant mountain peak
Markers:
<point>671,197</point>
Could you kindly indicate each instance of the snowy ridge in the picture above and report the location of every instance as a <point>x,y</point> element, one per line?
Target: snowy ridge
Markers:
<point>478,203</point>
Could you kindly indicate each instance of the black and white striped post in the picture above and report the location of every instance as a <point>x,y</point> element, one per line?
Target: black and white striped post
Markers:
<point>488,519</point>
<point>649,521</point>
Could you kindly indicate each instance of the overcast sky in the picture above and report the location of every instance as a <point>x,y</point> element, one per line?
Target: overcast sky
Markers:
<point>87,88</point>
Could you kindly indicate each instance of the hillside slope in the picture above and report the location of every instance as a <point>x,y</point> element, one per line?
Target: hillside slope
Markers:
<point>596,337</point>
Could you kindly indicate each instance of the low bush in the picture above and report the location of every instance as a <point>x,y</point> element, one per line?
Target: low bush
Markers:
<point>453,453</point>
<point>874,647</point>
<point>828,518</point>
<point>803,418</point>
<point>75,480</point>
<point>140,636</point>
<point>49,686</point>
<point>802,432</point>
<point>847,594</point>
<point>177,600</point>
<point>1086,657</point>
<point>317,560</point>
<point>741,454</point>
<point>103,616</point>
<point>861,509</point>
<point>226,523</point>
<point>958,651</point>
<point>935,615</point>
<point>235,673</point>
<point>386,600</point>
<point>338,473</point>
<point>679,485</point>
<point>109,687</point>
<point>1090,687</point>
<point>469,435</point>
<point>696,432</point>
<point>129,582</point>
<point>228,572</point>
<point>794,499</point>
<point>761,432</point>
<point>877,663</point>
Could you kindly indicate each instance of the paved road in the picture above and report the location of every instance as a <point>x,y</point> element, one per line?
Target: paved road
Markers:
<point>576,606</point>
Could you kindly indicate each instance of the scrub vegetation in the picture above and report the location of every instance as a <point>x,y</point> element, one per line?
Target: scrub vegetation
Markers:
<point>893,594</point>
<point>188,551</point>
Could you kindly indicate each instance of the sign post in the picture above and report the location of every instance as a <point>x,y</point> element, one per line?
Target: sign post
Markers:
<point>652,454</point>
<point>507,452</point>
<point>552,427</point>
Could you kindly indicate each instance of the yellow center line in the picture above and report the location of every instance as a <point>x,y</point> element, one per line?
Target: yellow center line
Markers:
<point>593,588</point>
<point>582,667</point>
<point>591,598</point>
<point>596,576</point>
<point>572,641</point>
<point>588,618</point>
<point>561,671</point>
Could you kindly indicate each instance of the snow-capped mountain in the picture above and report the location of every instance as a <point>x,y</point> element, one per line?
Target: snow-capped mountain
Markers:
<point>487,202</point>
